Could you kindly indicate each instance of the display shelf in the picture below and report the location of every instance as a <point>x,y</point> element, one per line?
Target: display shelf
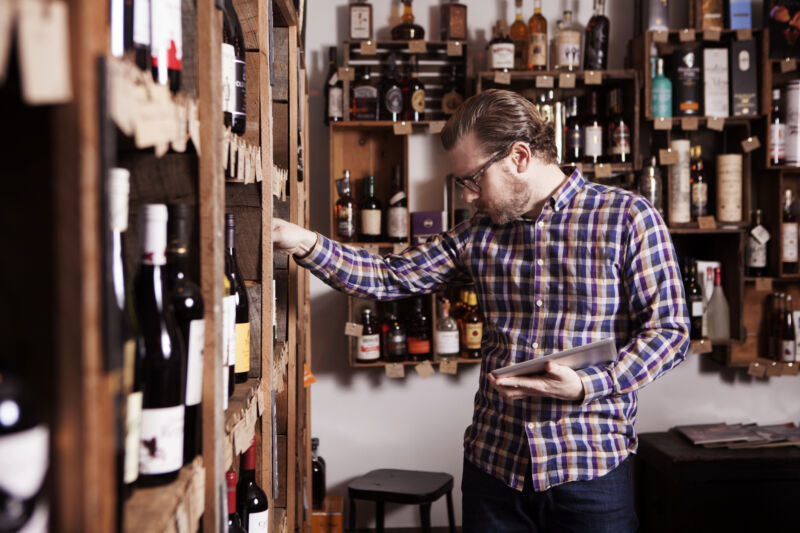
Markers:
<point>430,126</point>
<point>434,362</point>
<point>693,229</point>
<point>610,168</point>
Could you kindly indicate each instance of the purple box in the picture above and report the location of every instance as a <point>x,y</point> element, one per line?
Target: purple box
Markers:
<point>425,224</point>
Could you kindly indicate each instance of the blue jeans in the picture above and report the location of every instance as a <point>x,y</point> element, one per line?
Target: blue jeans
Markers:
<point>601,505</point>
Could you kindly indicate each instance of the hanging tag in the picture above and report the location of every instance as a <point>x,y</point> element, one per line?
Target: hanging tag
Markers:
<point>399,247</point>
<point>351,329</point>
<point>502,78</point>
<point>788,65</point>
<point>7,15</point>
<point>757,369</point>
<point>402,128</point>
<point>774,370</point>
<point>436,126</point>
<point>225,149</point>
<point>424,369</point>
<point>750,144</point>
<point>790,369</point>
<point>545,82</point>
<point>247,175</point>
<point>667,156</point>
<point>707,222</point>
<point>712,34</point>
<point>227,452</point>
<point>347,73</point>
<point>260,398</point>
<point>760,234</point>
<point>689,123</point>
<point>368,48</point>
<point>395,370</point>
<point>194,125</point>
<point>120,94</point>
<point>602,170</point>
<point>700,347</point>
<point>417,46</point>
<point>240,153</point>
<point>744,34</point>
<point>660,36</point>
<point>372,248</point>
<point>181,135</point>
<point>686,35</point>
<point>43,50</point>
<point>593,77</point>
<point>259,169</point>
<point>662,123</point>
<point>763,284</point>
<point>448,367</point>
<point>716,123</point>
<point>455,48</point>
<point>566,80</point>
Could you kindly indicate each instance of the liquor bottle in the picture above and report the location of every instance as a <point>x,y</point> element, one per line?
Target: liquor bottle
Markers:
<point>661,93</point>
<point>251,502</point>
<point>232,68</point>
<point>788,235</point>
<point>694,299</point>
<point>142,37</point>
<point>574,132</point>
<point>414,95</point>
<point>706,14</point>
<point>688,82</point>
<point>166,47</point>
<point>592,130</point>
<point>370,210</point>
<point>407,30</point>
<point>568,44</point>
<point>238,289</point>
<point>698,184</point>
<point>364,100</point>
<point>162,357</point>
<point>679,203</point>
<point>397,214</point>
<point>719,320</point>
<point>369,343</point>
<point>619,132</point>
<point>345,210</point>
<point>419,333</point>
<point>473,329</point>
<point>501,49</point>
<point>334,91</point>
<point>651,185</point>
<point>393,335</point>
<point>547,106</point>
<point>447,334</point>
<point>186,299</point>
<point>360,21</point>
<point>318,488</point>
<point>729,188</point>
<point>788,339</point>
<point>520,37</point>
<point>391,103</point>
<point>596,51</point>
<point>228,340</point>
<point>777,132</point>
<point>234,520</point>
<point>452,93</point>
<point>537,31</point>
<point>453,21</point>
<point>757,238</point>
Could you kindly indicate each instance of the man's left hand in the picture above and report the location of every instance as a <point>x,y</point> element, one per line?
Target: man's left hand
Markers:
<point>558,381</point>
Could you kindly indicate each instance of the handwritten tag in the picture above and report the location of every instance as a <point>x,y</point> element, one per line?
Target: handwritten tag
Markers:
<point>756,369</point>
<point>372,249</point>
<point>260,399</point>
<point>417,46</point>
<point>398,247</point>
<point>449,366</point>
<point>702,346</point>
<point>788,65</point>
<point>667,156</point>
<point>660,36</point>
<point>227,452</point>
<point>347,73</point>
<point>707,222</point>
<point>689,123</point>
<point>750,144</point>
<point>436,126</point>
<point>240,160</point>
<point>368,48</point>
<point>602,170</point>
<point>425,369</point>
<point>712,34</point>
<point>395,370</point>
<point>402,128</point>
<point>744,34</point>
<point>790,369</point>
<point>774,369</point>
<point>259,170</point>
<point>662,123</point>
<point>566,80</point>
<point>181,135</point>
<point>455,48</point>
<point>194,125</point>
<point>502,77</point>
<point>763,284</point>
<point>43,49</point>
<point>593,77</point>
<point>716,123</point>
<point>351,329</point>
<point>686,35</point>
<point>544,82</point>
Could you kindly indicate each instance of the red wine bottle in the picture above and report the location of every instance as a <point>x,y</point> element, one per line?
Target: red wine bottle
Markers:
<point>233,71</point>
<point>162,356</point>
<point>238,289</point>
<point>234,520</point>
<point>187,300</point>
<point>251,502</point>
<point>167,43</point>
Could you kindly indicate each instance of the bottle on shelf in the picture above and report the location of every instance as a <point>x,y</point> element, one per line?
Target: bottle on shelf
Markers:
<point>239,290</point>
<point>789,235</point>
<point>391,103</point>
<point>775,347</point>
<point>166,44</point>
<point>537,32</point>
<point>729,188</point>
<point>334,89</point>
<point>251,502</point>
<point>520,37</point>
<point>651,185</point>
<point>186,299</point>
<point>364,98</point>
<point>369,343</point>
<point>453,92</point>
<point>318,488</point>
<point>419,333</point>
<point>619,131</point>
<point>360,21</point>
<point>141,34</point>
<point>694,299</point>
<point>393,335</point>
<point>718,314</point>
<point>596,50</point>
<point>414,95</point>
<point>698,184</point>
<point>777,131</point>
<point>688,82</point>
<point>473,329</point>
<point>573,132</point>
<point>234,520</point>
<point>547,106</point>
<point>162,357</point>
<point>453,21</point>
<point>756,252</point>
<point>234,91</point>
<point>447,334</point>
<point>679,199</point>
<point>370,211</point>
<point>661,93</point>
<point>501,49</point>
<point>407,30</point>
<point>228,340</point>
<point>568,44</point>
<point>788,339</point>
<point>592,130</point>
<point>397,214</point>
<point>345,210</point>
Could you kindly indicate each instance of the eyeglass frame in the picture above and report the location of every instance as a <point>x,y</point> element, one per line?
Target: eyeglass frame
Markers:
<point>471,182</point>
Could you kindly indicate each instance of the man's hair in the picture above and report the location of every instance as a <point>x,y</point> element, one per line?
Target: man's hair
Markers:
<point>499,118</point>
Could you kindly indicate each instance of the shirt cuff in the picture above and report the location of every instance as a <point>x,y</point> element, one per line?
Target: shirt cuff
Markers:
<point>319,256</point>
<point>596,383</point>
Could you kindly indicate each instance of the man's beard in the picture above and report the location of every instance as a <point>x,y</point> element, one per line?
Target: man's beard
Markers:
<point>510,208</point>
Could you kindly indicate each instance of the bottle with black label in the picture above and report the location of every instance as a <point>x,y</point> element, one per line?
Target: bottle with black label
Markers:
<point>397,214</point>
<point>698,184</point>
<point>694,299</point>
<point>391,103</point>
<point>369,343</point>
<point>345,210</point>
<point>333,90</point>
<point>234,92</point>
<point>688,82</point>
<point>573,132</point>
<point>619,132</point>
<point>414,95</point>
<point>592,130</point>
<point>595,55</point>
<point>393,335</point>
<point>364,101</point>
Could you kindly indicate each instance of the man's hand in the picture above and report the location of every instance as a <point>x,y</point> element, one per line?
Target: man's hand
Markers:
<point>558,381</point>
<point>291,238</point>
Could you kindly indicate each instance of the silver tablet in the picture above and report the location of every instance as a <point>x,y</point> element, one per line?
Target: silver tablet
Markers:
<point>595,353</point>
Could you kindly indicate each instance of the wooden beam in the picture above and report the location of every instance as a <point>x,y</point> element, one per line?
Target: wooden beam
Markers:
<point>286,12</point>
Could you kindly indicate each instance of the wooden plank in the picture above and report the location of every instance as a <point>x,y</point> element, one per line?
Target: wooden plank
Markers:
<point>280,88</point>
<point>257,326</point>
<point>283,489</point>
<point>248,13</point>
<point>252,132</point>
<point>285,13</point>
<point>280,131</point>
<point>158,509</point>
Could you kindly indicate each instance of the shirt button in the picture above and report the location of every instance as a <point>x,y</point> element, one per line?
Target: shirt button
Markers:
<point>541,224</point>
<point>534,345</point>
<point>538,303</point>
<point>540,262</point>
<point>530,425</point>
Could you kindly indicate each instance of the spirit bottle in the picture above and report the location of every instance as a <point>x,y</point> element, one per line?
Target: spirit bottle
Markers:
<point>370,209</point>
<point>393,335</point>
<point>568,44</point>
<point>650,185</point>
<point>452,93</point>
<point>501,49</point>
<point>660,93</point>
<point>473,329</point>
<point>698,184</point>
<point>446,334</point>
<point>333,90</point>
<point>619,133</point>
<point>360,21</point>
<point>419,333</point>
<point>414,95</point>
<point>777,132</point>
<point>369,343</point>
<point>453,21</point>
<point>688,82</point>
<point>719,320</point>
<point>592,130</point>
<point>788,235</point>
<point>573,132</point>
<point>345,210</point>
<point>729,188</point>
<point>407,30</point>
<point>519,35</point>
<point>788,344</point>
<point>537,31</point>
<point>596,51</point>
<point>364,100</point>
<point>391,102</point>
<point>679,199</point>
<point>757,238</point>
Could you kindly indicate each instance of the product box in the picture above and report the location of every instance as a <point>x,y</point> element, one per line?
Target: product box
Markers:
<point>687,84</point>
<point>739,14</point>
<point>715,82</point>
<point>744,79</point>
<point>705,14</point>
<point>329,518</point>
<point>783,20</point>
<point>426,224</point>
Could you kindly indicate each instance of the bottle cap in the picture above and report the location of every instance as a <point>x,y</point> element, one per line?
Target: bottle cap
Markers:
<point>154,233</point>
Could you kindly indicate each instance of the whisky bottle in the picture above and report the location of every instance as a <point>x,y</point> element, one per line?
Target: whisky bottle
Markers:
<point>698,184</point>
<point>537,32</point>
<point>729,188</point>
<point>369,343</point>
<point>501,49</point>
<point>788,235</point>
<point>333,90</point>
<point>364,99</point>
<point>694,299</point>
<point>453,21</point>
<point>391,100</point>
<point>573,132</point>
<point>345,210</point>
<point>370,209</point>
<point>619,132</point>
<point>452,93</point>
<point>592,130</point>
<point>661,93</point>
<point>407,30</point>
<point>393,335</point>
<point>360,21</point>
<point>413,95</point>
<point>651,185</point>
<point>688,82</point>
<point>520,38</point>
<point>596,51</point>
<point>397,214</point>
<point>419,333</point>
<point>473,329</point>
<point>756,252</point>
<point>568,44</point>
<point>777,132</point>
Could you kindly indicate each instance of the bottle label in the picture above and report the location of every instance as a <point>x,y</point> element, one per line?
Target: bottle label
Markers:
<point>729,188</point>
<point>228,68</point>
<point>662,100</point>
<point>240,86</point>
<point>371,222</point>
<point>396,344</point>
<point>787,351</point>
<point>575,140</point>
<point>697,308</point>
<point>593,141</point>
<point>756,253</point>
<point>335,108</point>
<point>141,22</point>
<point>194,361</point>
<point>398,222</point>
<point>360,24</point>
<point>620,139</point>
<point>537,50</point>
<point>777,142</point>
<point>417,346</point>
<point>394,100</point>
<point>161,449</point>
<point>229,330</point>
<point>369,347</point>
<point>345,224</point>
<point>568,49</point>
<point>447,342</point>
<point>133,420</point>
<point>451,101</point>
<point>23,462</point>
<point>699,199</point>
<point>365,92</point>
<point>258,522</point>
<point>242,348</point>
<point>789,238</point>
<point>418,101</point>
<point>502,56</point>
<point>473,333</point>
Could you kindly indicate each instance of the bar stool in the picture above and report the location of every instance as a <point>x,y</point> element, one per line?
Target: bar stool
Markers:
<point>402,486</point>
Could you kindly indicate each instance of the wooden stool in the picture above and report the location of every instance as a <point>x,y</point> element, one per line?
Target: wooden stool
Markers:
<point>402,486</point>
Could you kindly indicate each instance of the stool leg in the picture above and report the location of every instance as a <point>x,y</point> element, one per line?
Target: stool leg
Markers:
<point>450,519</point>
<point>379,517</point>
<point>425,516</point>
<point>352,519</point>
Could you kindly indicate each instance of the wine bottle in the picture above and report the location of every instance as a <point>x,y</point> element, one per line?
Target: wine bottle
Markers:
<point>238,289</point>
<point>397,215</point>
<point>473,329</point>
<point>345,210</point>
<point>573,132</point>
<point>596,51</point>
<point>414,95</point>
<point>788,339</point>
<point>592,130</point>
<point>568,44</point>
<point>142,37</point>
<point>369,343</point>
<point>407,30</point>
<point>661,93</point>
<point>391,104</point>
<point>446,334</point>
<point>162,357</point>
<point>167,42</point>
<point>719,321</point>
<point>789,232</point>
<point>187,300</point>
<point>651,186</point>
<point>318,488</point>
<point>520,37</point>
<point>777,132</point>
<point>393,335</point>
<point>419,333</point>
<point>370,209</point>
<point>234,520</point>
<point>619,131</point>
<point>228,340</point>
<point>334,111</point>
<point>698,184</point>
<point>233,71</point>
<point>776,327</point>
<point>537,31</point>
<point>251,502</point>
<point>757,238</point>
<point>694,299</point>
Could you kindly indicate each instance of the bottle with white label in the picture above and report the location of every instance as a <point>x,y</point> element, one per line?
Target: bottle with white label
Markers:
<point>162,356</point>
<point>789,232</point>
<point>592,130</point>
<point>447,334</point>
<point>371,213</point>
<point>397,215</point>
<point>334,104</point>
<point>568,44</point>
<point>788,340</point>
<point>501,49</point>
<point>777,131</point>
<point>251,502</point>
<point>679,187</point>
<point>369,343</point>
<point>694,299</point>
<point>756,252</point>
<point>729,188</point>
<point>166,47</point>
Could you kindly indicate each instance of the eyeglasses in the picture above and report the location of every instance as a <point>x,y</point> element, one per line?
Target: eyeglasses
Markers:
<point>471,182</point>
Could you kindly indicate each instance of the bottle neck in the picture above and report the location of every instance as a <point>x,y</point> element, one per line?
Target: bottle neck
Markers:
<point>154,243</point>
<point>408,13</point>
<point>230,479</point>
<point>518,15</point>
<point>537,7</point>
<point>249,463</point>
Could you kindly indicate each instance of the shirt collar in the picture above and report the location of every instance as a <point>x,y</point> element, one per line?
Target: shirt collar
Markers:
<point>564,194</point>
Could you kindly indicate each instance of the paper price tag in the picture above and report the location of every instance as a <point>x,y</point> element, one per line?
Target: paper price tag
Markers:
<point>347,73</point>
<point>226,148</point>
<point>436,126</point>
<point>227,452</point>
<point>259,170</point>
<point>502,78</point>
<point>398,247</point>
<point>593,77</point>
<point>455,48</point>
<point>686,35</point>
<point>260,399</point>
<point>662,123</point>
<point>775,369</point>
<point>566,80</point>
<point>424,369</point>
<point>449,367</point>
<point>395,370</point>
<point>351,329</point>
<point>689,123</point>
<point>667,156</point>
<point>602,170</point>
<point>372,248</point>
<point>240,160</point>
<point>788,65</point>
<point>763,284</point>
<point>712,34</point>
<point>660,36</point>
<point>716,123</point>
<point>181,136</point>
<point>194,125</point>
<point>43,50</point>
<point>701,346</point>
<point>760,234</point>
<point>707,222</point>
<point>417,46</point>
<point>402,128</point>
<point>368,48</point>
<point>756,369</point>
<point>744,34</point>
<point>544,82</point>
<point>750,144</point>
<point>790,369</point>
<point>182,518</point>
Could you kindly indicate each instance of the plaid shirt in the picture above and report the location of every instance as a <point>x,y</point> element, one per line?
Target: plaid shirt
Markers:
<point>598,262</point>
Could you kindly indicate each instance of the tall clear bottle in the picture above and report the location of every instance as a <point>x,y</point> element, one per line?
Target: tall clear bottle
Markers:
<point>519,35</point>
<point>537,32</point>
<point>718,315</point>
<point>789,251</point>
<point>334,103</point>
<point>239,290</point>
<point>568,44</point>
<point>447,334</point>
<point>596,50</point>
<point>651,185</point>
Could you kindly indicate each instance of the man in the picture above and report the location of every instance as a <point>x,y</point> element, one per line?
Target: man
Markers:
<point>557,262</point>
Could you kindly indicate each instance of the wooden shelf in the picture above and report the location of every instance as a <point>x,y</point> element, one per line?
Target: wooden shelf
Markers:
<point>590,168</point>
<point>703,121</point>
<point>433,126</point>
<point>527,75</point>
<point>693,229</point>
<point>380,364</point>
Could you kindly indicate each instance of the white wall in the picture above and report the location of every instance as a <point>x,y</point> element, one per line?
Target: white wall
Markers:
<point>365,420</point>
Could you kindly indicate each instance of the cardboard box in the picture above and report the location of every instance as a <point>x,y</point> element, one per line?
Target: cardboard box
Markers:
<point>687,82</point>
<point>426,224</point>
<point>329,519</point>
<point>715,82</point>
<point>705,14</point>
<point>743,66</point>
<point>740,14</point>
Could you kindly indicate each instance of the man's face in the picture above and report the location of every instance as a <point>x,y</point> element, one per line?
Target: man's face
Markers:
<point>504,193</point>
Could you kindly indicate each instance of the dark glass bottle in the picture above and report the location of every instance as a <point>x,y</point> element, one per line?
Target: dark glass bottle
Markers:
<point>619,132</point>
<point>333,90</point>
<point>574,132</point>
<point>317,476</point>
<point>452,93</point>
<point>537,30</point>
<point>694,299</point>
<point>777,131</point>
<point>141,35</point>
<point>162,357</point>
<point>788,342</point>
<point>698,184</point>
<point>393,333</point>
<point>789,236</point>
<point>453,21</point>
<point>472,323</point>
<point>407,30</point>
<point>345,210</point>
<point>592,130</point>
<point>414,95</point>
<point>364,98</point>
<point>234,95</point>
<point>756,256</point>
<point>251,502</point>
<point>397,214</point>
<point>234,520</point>
<point>687,82</point>
<point>371,214</point>
<point>595,56</point>
<point>419,333</point>
<point>391,104</point>
<point>239,290</point>
<point>187,300</point>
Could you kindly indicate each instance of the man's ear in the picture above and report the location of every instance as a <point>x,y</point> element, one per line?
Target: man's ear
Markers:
<point>521,156</point>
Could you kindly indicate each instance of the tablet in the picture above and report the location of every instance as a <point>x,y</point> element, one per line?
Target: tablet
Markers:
<point>595,353</point>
